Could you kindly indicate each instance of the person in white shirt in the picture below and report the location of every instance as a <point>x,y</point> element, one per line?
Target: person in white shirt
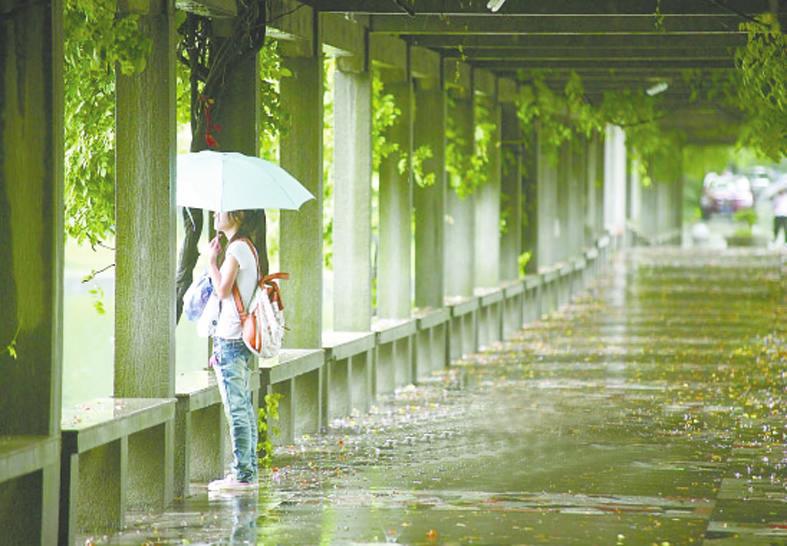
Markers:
<point>231,359</point>
<point>780,213</point>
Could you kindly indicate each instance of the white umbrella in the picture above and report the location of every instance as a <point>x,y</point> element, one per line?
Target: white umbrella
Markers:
<point>773,188</point>
<point>226,181</point>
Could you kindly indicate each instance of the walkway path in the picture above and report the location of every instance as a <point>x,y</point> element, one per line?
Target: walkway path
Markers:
<point>650,411</point>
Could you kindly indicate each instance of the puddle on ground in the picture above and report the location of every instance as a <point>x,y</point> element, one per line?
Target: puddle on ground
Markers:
<point>651,411</point>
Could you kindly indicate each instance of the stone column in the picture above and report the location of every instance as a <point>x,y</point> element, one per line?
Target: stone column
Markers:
<point>529,171</point>
<point>300,251</point>
<point>31,264</point>
<point>145,216</point>
<point>352,305</point>
<point>460,222</point>
<point>615,180</point>
<point>487,210</point>
<point>430,201</point>
<point>577,196</point>
<point>511,202</point>
<point>549,227</point>
<point>393,273</point>
<point>591,165</point>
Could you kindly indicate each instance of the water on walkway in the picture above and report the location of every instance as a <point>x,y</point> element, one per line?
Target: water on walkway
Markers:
<point>651,411</point>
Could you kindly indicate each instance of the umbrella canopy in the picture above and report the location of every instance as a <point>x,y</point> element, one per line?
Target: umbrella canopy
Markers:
<point>226,181</point>
<point>773,188</point>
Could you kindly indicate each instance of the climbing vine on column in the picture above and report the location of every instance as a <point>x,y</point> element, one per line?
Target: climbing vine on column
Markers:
<point>96,42</point>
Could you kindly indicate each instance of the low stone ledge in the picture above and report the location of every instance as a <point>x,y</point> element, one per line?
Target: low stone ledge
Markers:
<point>533,281</point>
<point>427,318</point>
<point>461,305</point>
<point>289,364</point>
<point>591,254</point>
<point>20,455</point>
<point>513,289</point>
<point>488,296</point>
<point>197,389</point>
<point>566,269</point>
<point>341,345</point>
<point>100,421</point>
<point>389,330</point>
<point>603,242</point>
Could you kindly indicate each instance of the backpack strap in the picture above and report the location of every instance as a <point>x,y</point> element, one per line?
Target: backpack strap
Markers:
<point>235,291</point>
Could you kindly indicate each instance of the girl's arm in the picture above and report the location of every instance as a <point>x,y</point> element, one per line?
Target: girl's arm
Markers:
<point>223,278</point>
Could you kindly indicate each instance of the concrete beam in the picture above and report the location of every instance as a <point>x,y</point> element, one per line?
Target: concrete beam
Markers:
<point>506,90</point>
<point>582,41</point>
<point>600,54</point>
<point>388,51</point>
<point>346,40</point>
<point>558,7</point>
<point>208,8</point>
<point>608,64</point>
<point>484,82</point>
<point>590,24</point>
<point>425,64</point>
<point>294,25</point>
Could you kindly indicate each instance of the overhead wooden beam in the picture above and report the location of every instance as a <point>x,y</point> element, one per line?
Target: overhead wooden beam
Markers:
<point>552,7</point>
<point>568,25</point>
<point>548,41</point>
<point>209,8</point>
<point>615,64</point>
<point>485,54</point>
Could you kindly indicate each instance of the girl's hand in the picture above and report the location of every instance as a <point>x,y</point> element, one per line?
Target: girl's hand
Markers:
<point>214,249</point>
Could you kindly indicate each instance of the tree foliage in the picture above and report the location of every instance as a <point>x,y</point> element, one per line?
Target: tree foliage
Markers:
<point>97,41</point>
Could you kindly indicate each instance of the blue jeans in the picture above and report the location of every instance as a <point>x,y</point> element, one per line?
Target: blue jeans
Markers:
<point>232,367</point>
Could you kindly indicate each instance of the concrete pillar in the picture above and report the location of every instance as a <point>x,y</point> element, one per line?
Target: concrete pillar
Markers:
<point>487,209</point>
<point>145,217</point>
<point>429,202</point>
<point>394,278</point>
<point>352,305</point>
<point>549,228</point>
<point>635,194</point>
<point>615,180</point>
<point>578,195</point>
<point>563,242</point>
<point>460,224</point>
<point>591,166</point>
<point>511,187</point>
<point>300,248</point>
<point>598,184</point>
<point>529,171</point>
<point>31,262</point>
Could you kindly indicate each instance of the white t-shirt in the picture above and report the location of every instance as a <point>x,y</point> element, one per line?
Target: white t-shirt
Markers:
<point>228,326</point>
<point>780,204</point>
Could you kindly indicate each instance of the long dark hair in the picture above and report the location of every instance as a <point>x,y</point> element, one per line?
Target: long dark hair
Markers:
<point>251,225</point>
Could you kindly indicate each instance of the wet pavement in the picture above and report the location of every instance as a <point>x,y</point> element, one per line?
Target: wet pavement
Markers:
<point>650,411</point>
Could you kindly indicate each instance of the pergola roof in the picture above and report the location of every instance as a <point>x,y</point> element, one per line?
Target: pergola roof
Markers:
<point>612,44</point>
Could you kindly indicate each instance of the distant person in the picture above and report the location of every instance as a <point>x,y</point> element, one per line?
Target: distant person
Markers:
<point>232,361</point>
<point>780,213</point>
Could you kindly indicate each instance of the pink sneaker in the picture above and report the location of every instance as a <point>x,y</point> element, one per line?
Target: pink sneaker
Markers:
<point>231,484</point>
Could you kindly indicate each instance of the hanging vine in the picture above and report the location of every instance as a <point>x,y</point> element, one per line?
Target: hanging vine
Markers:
<point>97,42</point>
